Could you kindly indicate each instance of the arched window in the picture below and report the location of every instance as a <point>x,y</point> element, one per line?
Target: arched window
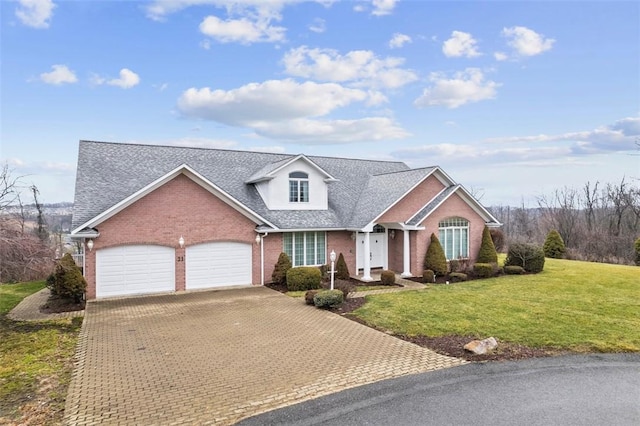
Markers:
<point>454,237</point>
<point>298,187</point>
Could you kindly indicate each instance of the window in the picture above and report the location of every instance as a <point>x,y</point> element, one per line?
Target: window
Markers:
<point>298,187</point>
<point>305,248</point>
<point>454,237</point>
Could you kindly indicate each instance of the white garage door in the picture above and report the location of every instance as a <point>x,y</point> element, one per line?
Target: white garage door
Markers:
<point>140,269</point>
<point>218,264</point>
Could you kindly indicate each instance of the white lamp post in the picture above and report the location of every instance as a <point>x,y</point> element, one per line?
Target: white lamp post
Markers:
<point>332,256</point>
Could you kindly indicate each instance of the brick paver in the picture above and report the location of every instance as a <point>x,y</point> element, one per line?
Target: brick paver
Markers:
<point>220,356</point>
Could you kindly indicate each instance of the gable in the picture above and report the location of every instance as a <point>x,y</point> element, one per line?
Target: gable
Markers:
<point>412,202</point>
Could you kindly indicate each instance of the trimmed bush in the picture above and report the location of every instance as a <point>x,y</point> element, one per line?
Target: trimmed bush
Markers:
<point>554,245</point>
<point>67,281</point>
<point>388,277</point>
<point>637,247</point>
<point>328,298</point>
<point>456,277</point>
<point>345,286</point>
<point>303,278</point>
<point>428,276</point>
<point>487,252</point>
<point>454,265</point>
<point>497,236</point>
<point>483,270</point>
<point>283,265</point>
<point>342,271</point>
<point>528,256</point>
<point>435,259</point>
<point>309,295</point>
<point>514,270</point>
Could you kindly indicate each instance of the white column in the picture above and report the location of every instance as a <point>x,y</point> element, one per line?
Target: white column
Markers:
<point>406,254</point>
<point>366,274</point>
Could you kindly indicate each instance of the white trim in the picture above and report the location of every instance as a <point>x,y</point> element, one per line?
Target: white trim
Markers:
<point>436,196</point>
<point>191,174</point>
<point>469,200</point>
<point>270,176</point>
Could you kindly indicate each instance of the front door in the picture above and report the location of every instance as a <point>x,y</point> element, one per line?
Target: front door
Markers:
<point>377,244</point>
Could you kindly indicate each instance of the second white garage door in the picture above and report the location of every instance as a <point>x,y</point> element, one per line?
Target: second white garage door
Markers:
<point>218,264</point>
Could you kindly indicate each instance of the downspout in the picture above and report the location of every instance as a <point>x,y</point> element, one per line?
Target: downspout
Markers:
<point>262,237</point>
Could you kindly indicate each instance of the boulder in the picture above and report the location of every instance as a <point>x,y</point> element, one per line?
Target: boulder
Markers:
<point>481,347</point>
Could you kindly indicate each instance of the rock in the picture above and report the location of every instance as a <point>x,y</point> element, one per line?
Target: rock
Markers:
<point>481,347</point>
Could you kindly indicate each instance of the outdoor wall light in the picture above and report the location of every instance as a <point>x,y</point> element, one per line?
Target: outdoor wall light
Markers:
<point>90,245</point>
<point>258,239</point>
<point>392,234</point>
<point>181,241</point>
<point>353,235</point>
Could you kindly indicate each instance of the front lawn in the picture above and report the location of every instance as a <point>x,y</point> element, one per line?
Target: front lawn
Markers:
<point>35,362</point>
<point>571,305</point>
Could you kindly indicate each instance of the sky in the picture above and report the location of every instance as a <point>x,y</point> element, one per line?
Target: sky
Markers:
<point>512,99</point>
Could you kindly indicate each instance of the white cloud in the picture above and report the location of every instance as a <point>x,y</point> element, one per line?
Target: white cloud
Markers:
<point>472,153</point>
<point>310,132</point>
<point>618,137</point>
<point>361,68</point>
<point>526,42</point>
<point>398,40</point>
<point>464,87</point>
<point>244,31</point>
<point>383,7</point>
<point>318,26</point>
<point>273,100</point>
<point>61,74</point>
<point>500,56</point>
<point>127,79</point>
<point>35,13</point>
<point>269,149</point>
<point>205,44</point>
<point>460,44</point>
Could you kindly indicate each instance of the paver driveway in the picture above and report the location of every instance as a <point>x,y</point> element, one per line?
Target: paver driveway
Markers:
<point>217,357</point>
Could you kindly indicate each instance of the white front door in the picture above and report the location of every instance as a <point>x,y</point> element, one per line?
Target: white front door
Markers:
<point>377,248</point>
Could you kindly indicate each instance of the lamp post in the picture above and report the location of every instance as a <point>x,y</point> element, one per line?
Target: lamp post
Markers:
<point>332,256</point>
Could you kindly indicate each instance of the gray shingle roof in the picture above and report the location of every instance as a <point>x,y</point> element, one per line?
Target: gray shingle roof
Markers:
<point>433,204</point>
<point>110,172</point>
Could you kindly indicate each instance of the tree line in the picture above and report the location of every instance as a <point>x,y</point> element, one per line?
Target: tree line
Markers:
<point>598,222</point>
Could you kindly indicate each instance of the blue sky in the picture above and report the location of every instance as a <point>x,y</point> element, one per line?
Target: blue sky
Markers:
<point>512,99</point>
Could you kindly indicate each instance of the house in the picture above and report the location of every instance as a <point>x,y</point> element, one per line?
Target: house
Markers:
<point>163,218</point>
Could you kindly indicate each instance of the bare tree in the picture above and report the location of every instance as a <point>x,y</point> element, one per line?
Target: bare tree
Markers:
<point>561,213</point>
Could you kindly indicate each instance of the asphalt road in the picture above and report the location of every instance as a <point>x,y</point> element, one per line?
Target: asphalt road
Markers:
<point>570,390</point>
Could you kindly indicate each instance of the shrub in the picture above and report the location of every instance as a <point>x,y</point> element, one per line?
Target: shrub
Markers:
<point>283,265</point>
<point>554,245</point>
<point>309,295</point>
<point>342,271</point>
<point>328,298</point>
<point>388,277</point>
<point>483,270</point>
<point>528,256</point>
<point>487,252</point>
<point>303,278</point>
<point>67,281</point>
<point>345,286</point>
<point>454,265</point>
<point>428,276</point>
<point>514,270</point>
<point>497,236</point>
<point>456,277</point>
<point>637,246</point>
<point>435,259</point>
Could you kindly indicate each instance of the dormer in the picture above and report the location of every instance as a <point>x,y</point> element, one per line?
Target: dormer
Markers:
<point>295,183</point>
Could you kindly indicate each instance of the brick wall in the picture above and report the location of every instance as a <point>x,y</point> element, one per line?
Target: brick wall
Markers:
<point>179,208</point>
<point>413,202</point>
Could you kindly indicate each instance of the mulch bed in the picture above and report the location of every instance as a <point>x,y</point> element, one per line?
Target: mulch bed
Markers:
<point>56,305</point>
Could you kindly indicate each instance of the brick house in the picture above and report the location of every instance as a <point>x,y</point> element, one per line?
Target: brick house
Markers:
<point>162,218</point>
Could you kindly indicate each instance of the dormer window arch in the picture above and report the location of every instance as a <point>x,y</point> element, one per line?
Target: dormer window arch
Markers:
<point>298,187</point>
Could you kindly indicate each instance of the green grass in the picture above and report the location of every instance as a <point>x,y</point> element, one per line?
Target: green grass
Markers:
<point>576,306</point>
<point>34,358</point>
